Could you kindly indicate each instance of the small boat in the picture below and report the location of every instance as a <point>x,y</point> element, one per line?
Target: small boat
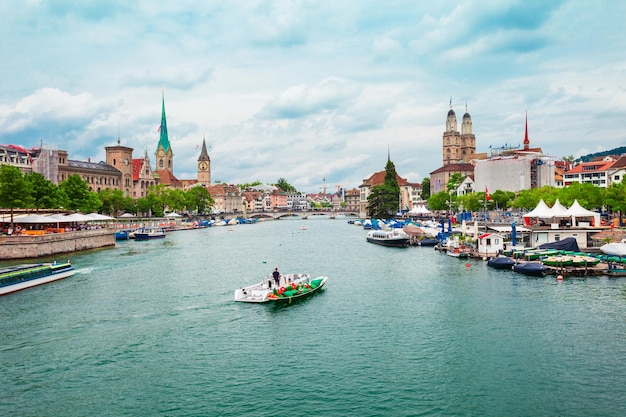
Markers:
<point>614,249</point>
<point>19,277</point>
<point>149,233</point>
<point>394,237</point>
<point>501,262</point>
<point>615,272</point>
<point>122,234</point>
<point>291,286</point>
<point>427,242</point>
<point>530,268</point>
<point>558,261</point>
<point>457,253</point>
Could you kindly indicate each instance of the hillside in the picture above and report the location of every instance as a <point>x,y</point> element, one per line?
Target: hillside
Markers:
<point>616,151</point>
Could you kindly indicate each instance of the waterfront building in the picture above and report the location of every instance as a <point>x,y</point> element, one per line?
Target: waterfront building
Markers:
<point>513,168</point>
<point>352,200</point>
<point>121,157</point>
<point>297,201</point>
<point>227,198</point>
<point>143,176</point>
<point>601,173</point>
<point>439,178</point>
<point>406,191</point>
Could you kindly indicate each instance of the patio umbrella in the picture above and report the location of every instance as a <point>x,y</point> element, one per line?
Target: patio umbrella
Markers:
<point>33,218</point>
<point>513,234</point>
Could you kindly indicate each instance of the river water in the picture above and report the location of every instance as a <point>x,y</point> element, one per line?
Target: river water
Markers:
<point>151,329</point>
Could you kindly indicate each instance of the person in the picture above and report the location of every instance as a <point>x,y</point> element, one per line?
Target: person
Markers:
<point>276,276</point>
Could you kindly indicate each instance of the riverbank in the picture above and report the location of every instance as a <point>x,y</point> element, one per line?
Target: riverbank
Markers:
<point>37,246</point>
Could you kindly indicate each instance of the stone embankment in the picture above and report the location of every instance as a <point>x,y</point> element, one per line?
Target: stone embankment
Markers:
<point>23,247</point>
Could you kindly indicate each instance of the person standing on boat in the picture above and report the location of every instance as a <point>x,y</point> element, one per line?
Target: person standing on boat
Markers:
<point>276,276</point>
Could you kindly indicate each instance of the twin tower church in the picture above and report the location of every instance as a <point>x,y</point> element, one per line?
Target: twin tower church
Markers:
<point>138,174</point>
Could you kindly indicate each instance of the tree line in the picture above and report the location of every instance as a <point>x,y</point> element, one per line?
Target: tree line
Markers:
<point>34,191</point>
<point>612,199</point>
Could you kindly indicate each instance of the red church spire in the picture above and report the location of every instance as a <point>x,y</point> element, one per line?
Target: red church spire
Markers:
<point>526,141</point>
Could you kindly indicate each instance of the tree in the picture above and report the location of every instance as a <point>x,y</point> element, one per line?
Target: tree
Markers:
<point>14,191</point>
<point>285,186</point>
<point>44,193</point>
<point>113,201</point>
<point>426,189</point>
<point>384,199</point>
<point>199,200</point>
<point>76,190</point>
<point>454,181</point>
<point>442,201</point>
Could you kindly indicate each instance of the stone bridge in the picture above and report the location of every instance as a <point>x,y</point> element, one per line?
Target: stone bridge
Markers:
<point>301,214</point>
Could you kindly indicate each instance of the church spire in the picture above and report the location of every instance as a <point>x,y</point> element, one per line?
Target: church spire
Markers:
<point>204,155</point>
<point>526,140</point>
<point>164,140</point>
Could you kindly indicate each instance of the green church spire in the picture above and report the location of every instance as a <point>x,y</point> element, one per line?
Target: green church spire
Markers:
<point>164,141</point>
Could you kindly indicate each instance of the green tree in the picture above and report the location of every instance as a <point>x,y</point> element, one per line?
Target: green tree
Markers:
<point>77,192</point>
<point>426,189</point>
<point>14,191</point>
<point>454,181</point>
<point>615,198</point>
<point>443,201</point>
<point>199,200</point>
<point>384,199</point>
<point>113,201</point>
<point>44,193</point>
<point>285,186</point>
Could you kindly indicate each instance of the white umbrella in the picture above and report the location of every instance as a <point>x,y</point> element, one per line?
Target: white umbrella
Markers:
<point>33,218</point>
<point>98,216</point>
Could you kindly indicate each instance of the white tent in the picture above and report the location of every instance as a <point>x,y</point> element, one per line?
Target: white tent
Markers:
<point>541,211</point>
<point>419,209</point>
<point>558,210</point>
<point>576,211</point>
<point>76,217</point>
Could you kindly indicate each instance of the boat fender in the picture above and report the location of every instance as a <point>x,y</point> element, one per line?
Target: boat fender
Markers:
<point>293,285</point>
<point>282,290</point>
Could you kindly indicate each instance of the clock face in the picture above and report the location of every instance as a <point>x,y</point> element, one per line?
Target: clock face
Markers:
<point>202,165</point>
<point>126,162</point>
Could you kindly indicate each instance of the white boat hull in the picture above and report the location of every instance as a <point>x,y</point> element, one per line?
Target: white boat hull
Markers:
<point>35,282</point>
<point>263,291</point>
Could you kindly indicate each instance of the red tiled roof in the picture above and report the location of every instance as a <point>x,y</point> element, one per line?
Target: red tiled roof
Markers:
<point>591,166</point>
<point>454,168</point>
<point>379,178</point>
<point>167,178</point>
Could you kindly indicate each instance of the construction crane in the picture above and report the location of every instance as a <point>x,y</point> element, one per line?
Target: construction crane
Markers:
<point>324,188</point>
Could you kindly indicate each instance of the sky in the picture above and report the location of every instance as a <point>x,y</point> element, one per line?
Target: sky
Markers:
<point>316,92</point>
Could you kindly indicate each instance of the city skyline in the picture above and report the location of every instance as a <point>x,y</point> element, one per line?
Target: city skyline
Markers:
<point>309,90</point>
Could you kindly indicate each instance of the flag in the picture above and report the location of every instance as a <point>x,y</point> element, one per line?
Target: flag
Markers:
<point>159,129</point>
<point>487,194</point>
<point>196,147</point>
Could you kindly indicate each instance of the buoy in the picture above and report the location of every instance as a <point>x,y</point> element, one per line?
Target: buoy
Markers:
<point>468,265</point>
<point>559,278</point>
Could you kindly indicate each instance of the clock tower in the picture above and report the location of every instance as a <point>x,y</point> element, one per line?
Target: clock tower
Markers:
<point>121,158</point>
<point>204,166</point>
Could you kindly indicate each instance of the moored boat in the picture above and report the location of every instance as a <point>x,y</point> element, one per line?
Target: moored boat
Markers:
<point>501,262</point>
<point>149,233</point>
<point>122,234</point>
<point>558,261</point>
<point>457,253</point>
<point>394,237</point>
<point>291,286</point>
<point>530,268</point>
<point>615,272</point>
<point>19,277</point>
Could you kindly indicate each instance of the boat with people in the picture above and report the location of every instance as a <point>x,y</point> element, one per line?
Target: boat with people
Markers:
<point>149,233</point>
<point>19,277</point>
<point>392,237</point>
<point>289,288</point>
